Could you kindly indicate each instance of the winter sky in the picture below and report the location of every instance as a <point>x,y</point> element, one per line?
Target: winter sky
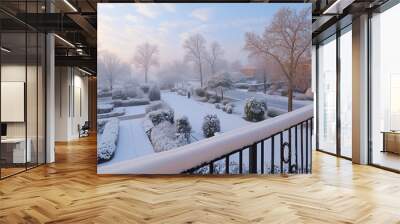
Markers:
<point>123,26</point>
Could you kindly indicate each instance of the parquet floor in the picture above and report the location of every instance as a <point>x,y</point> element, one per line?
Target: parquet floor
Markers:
<point>69,191</point>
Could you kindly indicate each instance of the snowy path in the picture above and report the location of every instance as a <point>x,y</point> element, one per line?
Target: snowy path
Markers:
<point>195,111</point>
<point>132,142</point>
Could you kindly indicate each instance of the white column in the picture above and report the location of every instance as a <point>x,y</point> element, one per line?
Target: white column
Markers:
<point>360,90</point>
<point>50,100</point>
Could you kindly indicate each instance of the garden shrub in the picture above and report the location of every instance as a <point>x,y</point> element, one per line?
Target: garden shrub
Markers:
<point>200,92</point>
<point>211,125</point>
<point>154,93</point>
<point>183,127</point>
<point>254,109</point>
<point>145,88</point>
<point>161,115</point>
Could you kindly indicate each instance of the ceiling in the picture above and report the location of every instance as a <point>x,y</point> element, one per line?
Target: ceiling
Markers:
<point>75,21</point>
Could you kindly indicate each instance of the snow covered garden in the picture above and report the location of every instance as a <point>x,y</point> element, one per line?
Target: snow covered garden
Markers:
<point>155,101</point>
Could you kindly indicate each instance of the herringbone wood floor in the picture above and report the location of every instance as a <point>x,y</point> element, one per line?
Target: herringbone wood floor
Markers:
<point>69,191</point>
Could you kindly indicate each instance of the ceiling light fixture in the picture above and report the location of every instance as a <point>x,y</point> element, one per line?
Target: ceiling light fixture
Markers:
<point>5,50</point>
<point>64,40</point>
<point>84,71</point>
<point>70,5</point>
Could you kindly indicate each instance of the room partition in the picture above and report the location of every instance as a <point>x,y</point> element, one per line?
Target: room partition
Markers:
<point>22,77</point>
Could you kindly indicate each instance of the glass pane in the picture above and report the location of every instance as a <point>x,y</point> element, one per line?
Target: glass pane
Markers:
<point>31,98</point>
<point>13,87</point>
<point>346,93</point>
<point>327,95</point>
<point>385,83</point>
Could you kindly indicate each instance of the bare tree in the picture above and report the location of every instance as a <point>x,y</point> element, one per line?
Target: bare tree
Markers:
<point>109,66</point>
<point>285,40</point>
<point>145,57</point>
<point>195,47</point>
<point>214,57</point>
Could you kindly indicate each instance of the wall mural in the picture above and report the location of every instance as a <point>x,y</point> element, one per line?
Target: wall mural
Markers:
<point>191,87</point>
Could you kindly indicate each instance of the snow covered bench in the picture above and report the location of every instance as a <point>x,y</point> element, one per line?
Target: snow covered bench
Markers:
<point>108,141</point>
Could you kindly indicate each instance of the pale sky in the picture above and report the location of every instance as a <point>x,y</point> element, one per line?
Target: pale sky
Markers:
<point>123,26</point>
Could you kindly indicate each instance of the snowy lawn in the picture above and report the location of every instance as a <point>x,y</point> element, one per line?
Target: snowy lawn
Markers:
<point>195,111</point>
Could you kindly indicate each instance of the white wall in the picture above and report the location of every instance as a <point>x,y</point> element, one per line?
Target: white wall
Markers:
<point>70,83</point>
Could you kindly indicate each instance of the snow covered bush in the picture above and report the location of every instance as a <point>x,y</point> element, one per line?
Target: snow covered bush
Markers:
<point>183,127</point>
<point>108,141</point>
<point>134,92</point>
<point>218,106</point>
<point>164,137</point>
<point>161,115</point>
<point>156,106</point>
<point>228,108</point>
<point>154,93</point>
<point>145,88</point>
<point>211,124</point>
<point>200,92</point>
<point>104,108</point>
<point>117,94</point>
<point>254,109</point>
<point>225,102</point>
<point>181,92</point>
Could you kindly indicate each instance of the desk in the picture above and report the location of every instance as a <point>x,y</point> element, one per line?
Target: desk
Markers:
<point>13,150</point>
<point>391,141</point>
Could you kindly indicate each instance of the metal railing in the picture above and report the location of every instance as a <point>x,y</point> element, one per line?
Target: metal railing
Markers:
<point>295,154</point>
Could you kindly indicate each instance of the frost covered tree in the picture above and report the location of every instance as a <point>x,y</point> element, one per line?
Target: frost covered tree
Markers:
<point>145,57</point>
<point>195,47</point>
<point>214,57</point>
<point>287,40</point>
<point>109,67</point>
<point>222,81</point>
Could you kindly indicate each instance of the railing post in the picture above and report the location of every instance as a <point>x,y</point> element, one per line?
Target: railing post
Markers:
<point>253,158</point>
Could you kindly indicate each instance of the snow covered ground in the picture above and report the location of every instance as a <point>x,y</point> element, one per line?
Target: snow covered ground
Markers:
<point>132,142</point>
<point>195,111</point>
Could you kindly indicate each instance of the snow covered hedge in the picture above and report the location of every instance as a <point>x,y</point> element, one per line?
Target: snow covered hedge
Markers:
<point>104,108</point>
<point>130,102</point>
<point>211,124</point>
<point>164,137</point>
<point>116,112</point>
<point>108,141</point>
<point>254,109</point>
